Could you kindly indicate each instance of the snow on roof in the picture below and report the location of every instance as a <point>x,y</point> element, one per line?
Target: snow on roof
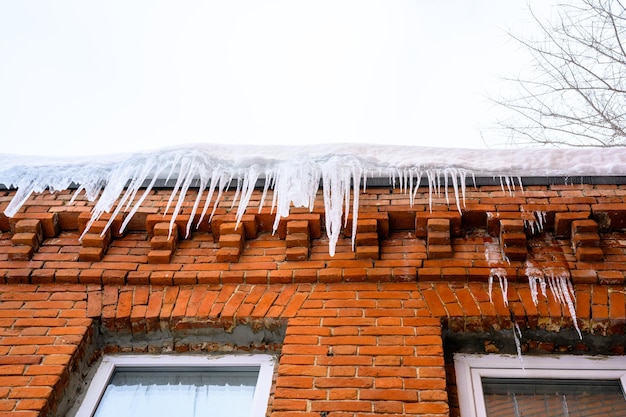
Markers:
<point>294,173</point>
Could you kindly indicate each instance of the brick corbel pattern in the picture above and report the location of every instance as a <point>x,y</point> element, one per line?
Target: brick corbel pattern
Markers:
<point>26,239</point>
<point>371,229</point>
<point>163,243</point>
<point>402,254</point>
<point>586,241</point>
<point>231,240</point>
<point>438,240</point>
<point>367,239</point>
<point>298,240</point>
<point>513,239</point>
<point>438,228</point>
<point>29,231</point>
<point>97,239</point>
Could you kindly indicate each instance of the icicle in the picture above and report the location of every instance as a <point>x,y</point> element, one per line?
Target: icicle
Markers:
<point>266,186</point>
<point>562,281</point>
<point>555,288</point>
<point>194,209</point>
<point>184,187</point>
<point>215,177</point>
<point>296,182</point>
<point>246,193</point>
<point>336,177</point>
<point>500,273</point>
<point>445,186</point>
<point>462,177</point>
<point>224,183</point>
<point>417,186</point>
<point>516,406</point>
<point>134,209</point>
<point>494,254</point>
<point>237,191</point>
<point>564,406</point>
<point>493,257</point>
<point>533,278</point>
<point>431,185</point>
<point>517,336</point>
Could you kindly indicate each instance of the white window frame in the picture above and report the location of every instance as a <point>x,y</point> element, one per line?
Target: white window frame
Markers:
<point>471,368</point>
<point>110,363</point>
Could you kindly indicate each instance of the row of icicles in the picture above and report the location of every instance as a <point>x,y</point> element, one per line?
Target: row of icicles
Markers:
<point>556,280</point>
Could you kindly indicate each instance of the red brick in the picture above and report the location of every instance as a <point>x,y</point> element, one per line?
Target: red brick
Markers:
<point>159,256</point>
<point>20,253</point>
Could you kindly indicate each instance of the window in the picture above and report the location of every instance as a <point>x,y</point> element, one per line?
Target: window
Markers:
<point>554,386</point>
<point>179,385</point>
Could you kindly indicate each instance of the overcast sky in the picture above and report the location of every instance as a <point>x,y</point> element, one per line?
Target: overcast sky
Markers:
<point>85,77</point>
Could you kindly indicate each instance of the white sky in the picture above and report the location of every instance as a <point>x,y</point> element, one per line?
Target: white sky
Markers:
<point>85,77</point>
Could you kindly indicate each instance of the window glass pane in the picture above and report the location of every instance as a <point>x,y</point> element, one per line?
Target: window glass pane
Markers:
<point>181,393</point>
<point>530,397</point>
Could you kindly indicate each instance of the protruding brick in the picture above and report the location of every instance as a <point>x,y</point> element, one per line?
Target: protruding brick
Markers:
<point>421,222</point>
<point>90,254</point>
<point>584,226</point>
<point>563,222</point>
<point>231,241</point>
<point>26,239</point>
<point>297,254</point>
<point>163,243</point>
<point>585,240</point>
<point>159,256</point>
<point>297,226</point>
<point>511,226</point>
<point>367,239</point>
<point>247,226</point>
<point>163,229</point>
<point>231,229</point>
<point>589,254</point>
<point>49,222</point>
<point>20,253</point>
<point>228,254</point>
<point>368,252</point>
<point>297,240</point>
<point>438,225</point>
<point>438,238</point>
<point>367,226</point>
<point>95,240</point>
<point>513,239</point>
<point>439,251</point>
<point>98,226</point>
<point>29,226</point>
<point>516,253</point>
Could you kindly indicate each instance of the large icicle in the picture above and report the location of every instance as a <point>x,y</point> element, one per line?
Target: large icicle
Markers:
<point>495,259</point>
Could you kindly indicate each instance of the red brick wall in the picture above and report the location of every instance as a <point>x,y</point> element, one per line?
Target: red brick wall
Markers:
<point>363,330</point>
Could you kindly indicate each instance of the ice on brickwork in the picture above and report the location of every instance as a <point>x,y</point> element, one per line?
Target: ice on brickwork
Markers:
<point>120,183</point>
<point>534,221</point>
<point>559,282</point>
<point>499,273</point>
<point>535,278</point>
<point>495,259</point>
<point>517,337</point>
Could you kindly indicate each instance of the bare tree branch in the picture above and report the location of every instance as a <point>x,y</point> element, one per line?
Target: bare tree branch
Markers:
<point>575,94</point>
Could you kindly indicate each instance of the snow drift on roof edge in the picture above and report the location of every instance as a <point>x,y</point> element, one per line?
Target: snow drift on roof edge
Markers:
<point>293,173</point>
